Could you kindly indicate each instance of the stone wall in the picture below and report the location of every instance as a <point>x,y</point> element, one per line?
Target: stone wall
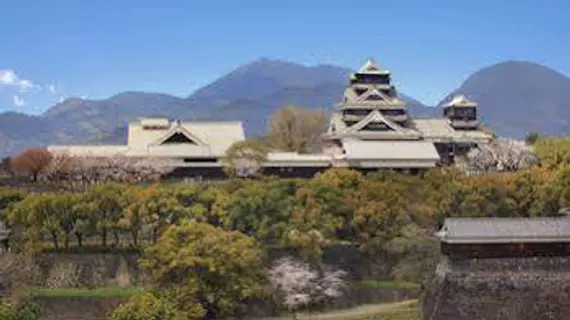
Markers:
<point>69,271</point>
<point>509,288</point>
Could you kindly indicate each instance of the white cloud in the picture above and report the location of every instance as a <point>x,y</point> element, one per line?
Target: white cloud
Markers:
<point>84,97</point>
<point>7,77</point>
<point>10,78</point>
<point>18,101</point>
<point>52,88</point>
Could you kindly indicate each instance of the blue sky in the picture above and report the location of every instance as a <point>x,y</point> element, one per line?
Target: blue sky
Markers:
<point>57,49</point>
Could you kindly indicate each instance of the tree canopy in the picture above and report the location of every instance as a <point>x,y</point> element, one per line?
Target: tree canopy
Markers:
<point>296,129</point>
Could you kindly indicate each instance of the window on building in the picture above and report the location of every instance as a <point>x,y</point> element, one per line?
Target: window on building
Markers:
<point>178,137</point>
<point>200,160</point>
<point>374,97</point>
<point>357,112</point>
<point>396,112</point>
<point>377,126</point>
<point>360,91</point>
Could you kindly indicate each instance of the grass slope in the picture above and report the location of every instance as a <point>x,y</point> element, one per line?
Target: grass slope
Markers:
<point>113,292</point>
<point>405,310</point>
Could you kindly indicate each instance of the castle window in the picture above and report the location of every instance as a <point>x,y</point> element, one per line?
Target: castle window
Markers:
<point>356,112</point>
<point>360,91</point>
<point>374,97</point>
<point>396,112</point>
<point>377,126</point>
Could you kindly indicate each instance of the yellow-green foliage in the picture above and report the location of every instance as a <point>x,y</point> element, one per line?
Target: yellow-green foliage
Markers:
<point>196,262</point>
<point>337,206</point>
<point>149,306</point>
<point>553,152</point>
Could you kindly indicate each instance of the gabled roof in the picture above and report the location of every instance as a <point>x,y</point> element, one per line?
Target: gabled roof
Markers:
<point>441,129</point>
<point>371,92</point>
<point>505,230</point>
<point>371,67</point>
<point>375,117</point>
<point>460,101</point>
<point>178,128</point>
<point>214,136</point>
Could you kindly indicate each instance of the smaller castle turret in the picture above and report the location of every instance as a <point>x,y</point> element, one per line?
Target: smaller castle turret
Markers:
<point>462,113</point>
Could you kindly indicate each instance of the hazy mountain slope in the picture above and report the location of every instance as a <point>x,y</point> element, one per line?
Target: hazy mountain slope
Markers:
<point>18,131</point>
<point>82,119</point>
<point>263,77</point>
<point>517,97</point>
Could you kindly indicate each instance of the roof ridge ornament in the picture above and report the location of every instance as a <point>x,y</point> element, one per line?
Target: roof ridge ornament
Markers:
<point>369,66</point>
<point>460,99</point>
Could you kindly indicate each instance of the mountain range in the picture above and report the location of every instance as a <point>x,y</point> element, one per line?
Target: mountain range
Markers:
<point>515,97</point>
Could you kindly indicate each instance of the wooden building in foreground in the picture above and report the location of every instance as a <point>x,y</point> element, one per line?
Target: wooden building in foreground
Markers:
<point>472,238</point>
<point>501,268</point>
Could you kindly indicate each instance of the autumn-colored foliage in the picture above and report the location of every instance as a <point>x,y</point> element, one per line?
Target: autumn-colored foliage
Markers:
<point>296,129</point>
<point>32,162</point>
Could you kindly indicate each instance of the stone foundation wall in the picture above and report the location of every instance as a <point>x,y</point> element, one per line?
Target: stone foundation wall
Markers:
<point>485,289</point>
<point>69,271</point>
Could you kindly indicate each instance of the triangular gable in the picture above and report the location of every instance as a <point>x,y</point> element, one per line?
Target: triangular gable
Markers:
<point>179,134</point>
<point>372,95</point>
<point>375,118</point>
<point>178,137</point>
<point>369,66</point>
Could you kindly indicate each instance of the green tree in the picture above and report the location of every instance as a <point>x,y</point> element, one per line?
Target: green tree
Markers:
<point>326,204</point>
<point>153,207</point>
<point>219,269</point>
<point>418,253</point>
<point>245,158</point>
<point>531,137</point>
<point>19,310</point>
<point>205,205</point>
<point>73,213</point>
<point>379,214</point>
<point>149,306</point>
<point>262,210</point>
<point>553,152</point>
<point>9,197</point>
<point>110,200</point>
<point>32,218</point>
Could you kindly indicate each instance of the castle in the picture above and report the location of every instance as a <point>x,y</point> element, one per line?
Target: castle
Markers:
<point>370,129</point>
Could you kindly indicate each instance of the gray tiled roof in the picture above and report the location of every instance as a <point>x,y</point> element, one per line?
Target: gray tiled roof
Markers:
<point>505,230</point>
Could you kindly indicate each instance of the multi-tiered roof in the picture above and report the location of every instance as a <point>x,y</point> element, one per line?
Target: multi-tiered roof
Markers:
<point>371,109</point>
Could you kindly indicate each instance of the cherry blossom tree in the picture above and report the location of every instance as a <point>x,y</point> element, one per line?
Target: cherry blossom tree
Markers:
<point>92,170</point>
<point>501,155</point>
<point>301,286</point>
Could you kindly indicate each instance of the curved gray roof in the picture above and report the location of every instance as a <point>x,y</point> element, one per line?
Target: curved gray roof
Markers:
<point>505,230</point>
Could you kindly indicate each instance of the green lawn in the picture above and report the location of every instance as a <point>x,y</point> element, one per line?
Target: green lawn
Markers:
<point>85,293</point>
<point>406,310</point>
<point>387,284</point>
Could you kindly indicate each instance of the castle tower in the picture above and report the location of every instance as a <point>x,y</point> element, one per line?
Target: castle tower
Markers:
<point>370,109</point>
<point>462,113</point>
<point>371,90</point>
